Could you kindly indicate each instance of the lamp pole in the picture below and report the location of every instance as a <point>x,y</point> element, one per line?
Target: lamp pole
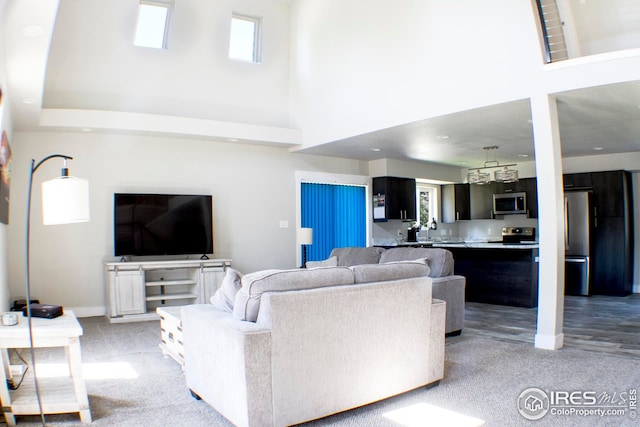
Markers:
<point>65,172</point>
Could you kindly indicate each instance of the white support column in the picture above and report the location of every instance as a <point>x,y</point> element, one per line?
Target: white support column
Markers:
<point>546,138</point>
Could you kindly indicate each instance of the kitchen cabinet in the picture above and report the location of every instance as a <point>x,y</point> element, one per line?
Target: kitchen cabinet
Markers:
<point>498,276</point>
<point>455,202</point>
<point>481,200</point>
<point>609,193</point>
<point>576,180</point>
<point>394,198</point>
<point>612,253</point>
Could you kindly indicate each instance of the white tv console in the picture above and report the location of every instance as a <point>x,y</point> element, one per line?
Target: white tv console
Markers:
<point>136,288</point>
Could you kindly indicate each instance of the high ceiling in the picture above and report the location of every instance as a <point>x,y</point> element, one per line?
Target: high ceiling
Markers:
<point>605,118</point>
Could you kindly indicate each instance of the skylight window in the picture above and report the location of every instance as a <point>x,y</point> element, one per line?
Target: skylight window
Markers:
<point>153,24</point>
<point>246,38</point>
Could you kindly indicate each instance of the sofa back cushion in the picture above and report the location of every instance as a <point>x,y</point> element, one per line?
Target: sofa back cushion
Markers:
<point>247,302</point>
<point>440,260</point>
<point>348,257</point>
<point>367,273</point>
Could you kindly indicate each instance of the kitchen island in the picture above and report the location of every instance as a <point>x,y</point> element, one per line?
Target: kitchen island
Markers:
<point>495,272</point>
<point>498,273</point>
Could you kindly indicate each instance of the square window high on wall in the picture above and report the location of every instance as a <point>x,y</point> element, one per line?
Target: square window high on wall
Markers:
<point>152,27</point>
<point>245,41</point>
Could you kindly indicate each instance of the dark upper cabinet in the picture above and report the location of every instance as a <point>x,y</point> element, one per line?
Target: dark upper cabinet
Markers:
<point>610,191</point>
<point>576,181</point>
<point>481,199</point>
<point>394,198</point>
<point>455,202</point>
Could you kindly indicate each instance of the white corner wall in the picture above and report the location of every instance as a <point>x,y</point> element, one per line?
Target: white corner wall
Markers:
<point>380,63</point>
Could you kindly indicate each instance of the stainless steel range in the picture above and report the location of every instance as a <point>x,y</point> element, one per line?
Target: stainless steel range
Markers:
<point>518,235</point>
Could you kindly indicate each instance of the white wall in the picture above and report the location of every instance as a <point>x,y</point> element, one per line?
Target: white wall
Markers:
<point>5,125</point>
<point>381,63</point>
<point>599,26</point>
<point>193,77</point>
<point>253,189</point>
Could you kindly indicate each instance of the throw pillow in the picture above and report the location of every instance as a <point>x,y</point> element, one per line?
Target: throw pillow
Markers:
<point>329,262</point>
<point>225,295</point>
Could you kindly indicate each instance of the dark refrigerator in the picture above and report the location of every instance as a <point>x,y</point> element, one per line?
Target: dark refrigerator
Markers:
<point>577,216</point>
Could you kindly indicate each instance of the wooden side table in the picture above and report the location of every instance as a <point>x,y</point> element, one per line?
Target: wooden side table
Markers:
<point>59,395</point>
<point>171,333</point>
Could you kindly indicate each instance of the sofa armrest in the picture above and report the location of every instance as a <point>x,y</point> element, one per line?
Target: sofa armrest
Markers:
<point>228,364</point>
<point>452,290</point>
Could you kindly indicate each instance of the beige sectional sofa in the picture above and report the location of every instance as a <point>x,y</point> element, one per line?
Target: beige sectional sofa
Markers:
<point>446,285</point>
<point>281,347</point>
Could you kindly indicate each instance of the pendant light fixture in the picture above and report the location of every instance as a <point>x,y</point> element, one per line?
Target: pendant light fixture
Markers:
<point>482,176</point>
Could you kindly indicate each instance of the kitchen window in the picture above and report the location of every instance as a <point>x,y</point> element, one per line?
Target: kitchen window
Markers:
<point>152,27</point>
<point>245,42</point>
<point>426,203</point>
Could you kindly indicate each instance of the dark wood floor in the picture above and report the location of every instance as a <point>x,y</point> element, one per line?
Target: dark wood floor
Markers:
<point>597,323</point>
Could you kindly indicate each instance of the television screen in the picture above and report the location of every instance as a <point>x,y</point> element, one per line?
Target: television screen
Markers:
<point>162,224</point>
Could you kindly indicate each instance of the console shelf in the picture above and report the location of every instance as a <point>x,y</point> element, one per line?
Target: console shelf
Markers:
<point>171,283</point>
<point>135,289</point>
<point>171,297</point>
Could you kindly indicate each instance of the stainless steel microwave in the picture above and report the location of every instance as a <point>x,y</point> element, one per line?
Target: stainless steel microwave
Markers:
<point>510,203</point>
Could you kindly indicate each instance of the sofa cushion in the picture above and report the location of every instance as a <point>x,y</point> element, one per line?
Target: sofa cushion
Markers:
<point>225,296</point>
<point>440,260</point>
<point>247,302</point>
<point>329,262</point>
<point>348,257</point>
<point>367,273</point>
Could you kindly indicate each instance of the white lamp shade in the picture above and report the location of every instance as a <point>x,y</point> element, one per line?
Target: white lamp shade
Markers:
<point>65,200</point>
<point>305,236</point>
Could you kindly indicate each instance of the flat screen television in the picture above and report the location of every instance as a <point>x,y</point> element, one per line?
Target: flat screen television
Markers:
<point>162,224</point>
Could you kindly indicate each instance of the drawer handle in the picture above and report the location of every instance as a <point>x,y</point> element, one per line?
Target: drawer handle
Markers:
<point>170,337</point>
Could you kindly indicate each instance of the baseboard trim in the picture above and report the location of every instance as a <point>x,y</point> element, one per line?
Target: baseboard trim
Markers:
<point>87,311</point>
<point>549,342</point>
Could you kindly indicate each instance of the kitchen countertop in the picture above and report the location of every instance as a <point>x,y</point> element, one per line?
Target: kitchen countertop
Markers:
<point>469,244</point>
<point>488,245</point>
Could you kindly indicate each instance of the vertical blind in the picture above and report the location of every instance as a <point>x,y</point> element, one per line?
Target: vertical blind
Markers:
<point>337,215</point>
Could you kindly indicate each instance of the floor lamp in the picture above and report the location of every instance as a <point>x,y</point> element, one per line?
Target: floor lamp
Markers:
<point>304,237</point>
<point>65,200</point>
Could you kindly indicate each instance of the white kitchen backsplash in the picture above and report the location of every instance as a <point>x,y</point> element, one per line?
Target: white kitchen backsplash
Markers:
<point>492,228</point>
<point>385,233</point>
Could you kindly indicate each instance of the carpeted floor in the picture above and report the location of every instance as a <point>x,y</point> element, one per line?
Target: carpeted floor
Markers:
<point>130,383</point>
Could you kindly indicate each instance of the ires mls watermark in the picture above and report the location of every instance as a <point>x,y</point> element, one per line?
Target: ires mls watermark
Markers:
<point>534,403</point>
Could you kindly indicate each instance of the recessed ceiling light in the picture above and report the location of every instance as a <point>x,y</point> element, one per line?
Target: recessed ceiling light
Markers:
<point>376,149</point>
<point>523,155</point>
<point>28,101</point>
<point>462,163</point>
<point>86,129</point>
<point>232,139</point>
<point>598,148</point>
<point>32,31</point>
<point>443,137</point>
